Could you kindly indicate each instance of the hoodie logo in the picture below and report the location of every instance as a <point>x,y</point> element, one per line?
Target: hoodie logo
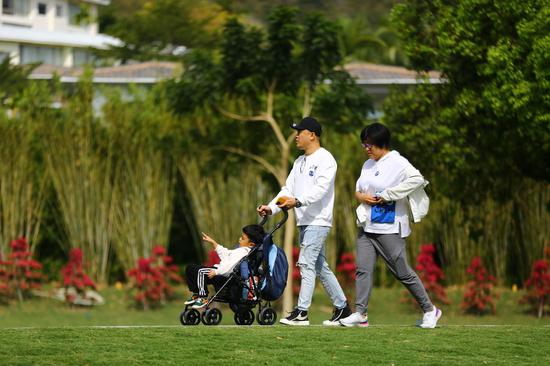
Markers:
<point>312,170</point>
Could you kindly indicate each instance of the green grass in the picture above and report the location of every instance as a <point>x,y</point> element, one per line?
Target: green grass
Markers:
<point>45,332</point>
<point>385,309</point>
<point>458,345</point>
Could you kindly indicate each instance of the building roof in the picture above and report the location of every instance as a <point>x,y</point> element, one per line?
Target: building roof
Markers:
<point>56,38</point>
<point>142,73</point>
<point>374,74</point>
<point>98,2</point>
<point>152,72</point>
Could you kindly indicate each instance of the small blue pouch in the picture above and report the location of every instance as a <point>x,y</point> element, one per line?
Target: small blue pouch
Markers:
<point>383,214</point>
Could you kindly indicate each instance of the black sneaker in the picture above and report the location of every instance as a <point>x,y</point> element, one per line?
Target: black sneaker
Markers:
<point>296,317</point>
<point>338,314</point>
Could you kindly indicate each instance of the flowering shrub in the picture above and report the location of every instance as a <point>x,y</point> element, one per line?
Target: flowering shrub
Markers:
<point>212,259</point>
<point>4,282</point>
<point>77,285</point>
<point>296,276</point>
<point>20,274</point>
<point>538,286</point>
<point>151,280</point>
<point>345,272</point>
<point>347,267</point>
<point>430,274</point>
<point>479,297</point>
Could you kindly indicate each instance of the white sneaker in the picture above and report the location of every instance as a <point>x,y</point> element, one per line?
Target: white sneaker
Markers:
<point>296,317</point>
<point>429,320</point>
<point>337,314</point>
<point>355,320</point>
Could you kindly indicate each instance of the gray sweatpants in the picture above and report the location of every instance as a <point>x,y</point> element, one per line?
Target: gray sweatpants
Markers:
<point>391,247</point>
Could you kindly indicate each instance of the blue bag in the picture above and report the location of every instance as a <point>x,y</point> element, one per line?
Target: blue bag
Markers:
<point>275,270</point>
<point>383,214</point>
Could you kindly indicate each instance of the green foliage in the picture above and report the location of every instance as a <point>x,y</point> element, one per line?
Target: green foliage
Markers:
<point>290,60</point>
<point>158,28</point>
<point>13,80</point>
<point>491,118</point>
<point>360,40</point>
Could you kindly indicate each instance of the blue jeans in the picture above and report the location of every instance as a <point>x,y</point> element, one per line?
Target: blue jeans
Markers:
<point>312,262</point>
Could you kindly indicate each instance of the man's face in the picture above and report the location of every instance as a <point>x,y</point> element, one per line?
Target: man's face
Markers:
<point>304,138</point>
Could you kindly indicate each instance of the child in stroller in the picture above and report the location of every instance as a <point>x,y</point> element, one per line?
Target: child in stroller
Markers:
<point>245,283</point>
<point>198,277</point>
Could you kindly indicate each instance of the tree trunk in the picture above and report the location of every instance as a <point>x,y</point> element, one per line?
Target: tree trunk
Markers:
<point>288,300</point>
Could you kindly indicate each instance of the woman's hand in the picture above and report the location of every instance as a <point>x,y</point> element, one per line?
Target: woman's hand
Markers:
<point>211,273</point>
<point>368,199</point>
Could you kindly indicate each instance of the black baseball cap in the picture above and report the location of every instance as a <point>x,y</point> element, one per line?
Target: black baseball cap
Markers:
<point>310,124</point>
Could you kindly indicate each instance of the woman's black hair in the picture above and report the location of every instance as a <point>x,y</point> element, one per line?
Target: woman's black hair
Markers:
<point>255,233</point>
<point>376,134</point>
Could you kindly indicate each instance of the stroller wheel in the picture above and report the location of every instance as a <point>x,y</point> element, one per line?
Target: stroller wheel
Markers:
<point>245,317</point>
<point>267,316</point>
<point>212,317</point>
<point>190,317</point>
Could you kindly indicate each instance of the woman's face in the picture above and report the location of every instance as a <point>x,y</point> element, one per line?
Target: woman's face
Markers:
<point>374,152</point>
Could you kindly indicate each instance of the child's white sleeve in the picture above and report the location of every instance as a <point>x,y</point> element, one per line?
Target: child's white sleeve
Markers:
<point>222,252</point>
<point>229,262</point>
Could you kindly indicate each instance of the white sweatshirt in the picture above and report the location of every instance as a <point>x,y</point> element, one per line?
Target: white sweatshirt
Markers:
<point>311,181</point>
<point>394,179</point>
<point>229,259</point>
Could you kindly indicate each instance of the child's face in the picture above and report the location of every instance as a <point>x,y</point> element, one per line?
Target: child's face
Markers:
<point>244,241</point>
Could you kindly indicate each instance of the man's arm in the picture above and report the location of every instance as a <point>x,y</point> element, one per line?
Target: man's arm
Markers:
<point>286,190</point>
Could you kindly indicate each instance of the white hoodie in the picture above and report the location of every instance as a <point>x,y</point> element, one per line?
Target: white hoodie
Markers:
<point>311,181</point>
<point>394,179</point>
<point>229,259</point>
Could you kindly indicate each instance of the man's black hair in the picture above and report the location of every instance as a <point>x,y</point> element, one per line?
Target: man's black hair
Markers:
<point>255,233</point>
<point>376,134</point>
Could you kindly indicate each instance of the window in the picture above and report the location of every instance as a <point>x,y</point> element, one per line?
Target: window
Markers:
<point>16,7</point>
<point>4,55</point>
<point>74,12</point>
<point>59,10</point>
<point>82,57</point>
<point>46,55</point>
<point>42,8</point>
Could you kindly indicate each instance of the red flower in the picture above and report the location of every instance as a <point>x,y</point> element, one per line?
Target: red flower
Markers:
<point>538,287</point>
<point>479,296</point>
<point>152,278</point>
<point>159,251</point>
<point>430,274</point>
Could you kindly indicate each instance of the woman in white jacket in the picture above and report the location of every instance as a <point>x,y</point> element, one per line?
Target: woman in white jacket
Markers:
<point>387,187</point>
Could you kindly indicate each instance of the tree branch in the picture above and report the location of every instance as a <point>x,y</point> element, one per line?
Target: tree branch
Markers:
<point>264,163</point>
<point>238,117</point>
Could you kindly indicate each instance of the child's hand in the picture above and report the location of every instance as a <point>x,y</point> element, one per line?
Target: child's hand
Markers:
<point>208,239</point>
<point>211,273</point>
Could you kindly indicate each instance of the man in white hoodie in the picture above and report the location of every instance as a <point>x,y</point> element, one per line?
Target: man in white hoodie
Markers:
<point>309,189</point>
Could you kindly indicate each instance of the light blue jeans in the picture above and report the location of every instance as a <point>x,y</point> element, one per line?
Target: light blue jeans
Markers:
<point>313,262</point>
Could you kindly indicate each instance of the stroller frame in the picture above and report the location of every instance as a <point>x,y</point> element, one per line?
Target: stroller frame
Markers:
<point>243,310</point>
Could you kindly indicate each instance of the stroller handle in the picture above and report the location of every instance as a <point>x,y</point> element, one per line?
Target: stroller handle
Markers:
<point>279,224</point>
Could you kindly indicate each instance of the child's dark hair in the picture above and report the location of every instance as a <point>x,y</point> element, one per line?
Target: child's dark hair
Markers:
<point>376,134</point>
<point>255,233</point>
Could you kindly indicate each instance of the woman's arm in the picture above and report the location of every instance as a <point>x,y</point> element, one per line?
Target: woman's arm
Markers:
<point>413,180</point>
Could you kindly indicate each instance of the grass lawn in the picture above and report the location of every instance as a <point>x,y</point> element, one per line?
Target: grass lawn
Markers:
<point>45,332</point>
<point>223,345</point>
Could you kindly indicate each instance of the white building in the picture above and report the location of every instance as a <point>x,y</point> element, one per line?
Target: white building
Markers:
<point>51,31</point>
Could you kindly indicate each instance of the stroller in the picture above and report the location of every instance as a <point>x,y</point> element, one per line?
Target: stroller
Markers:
<point>249,285</point>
